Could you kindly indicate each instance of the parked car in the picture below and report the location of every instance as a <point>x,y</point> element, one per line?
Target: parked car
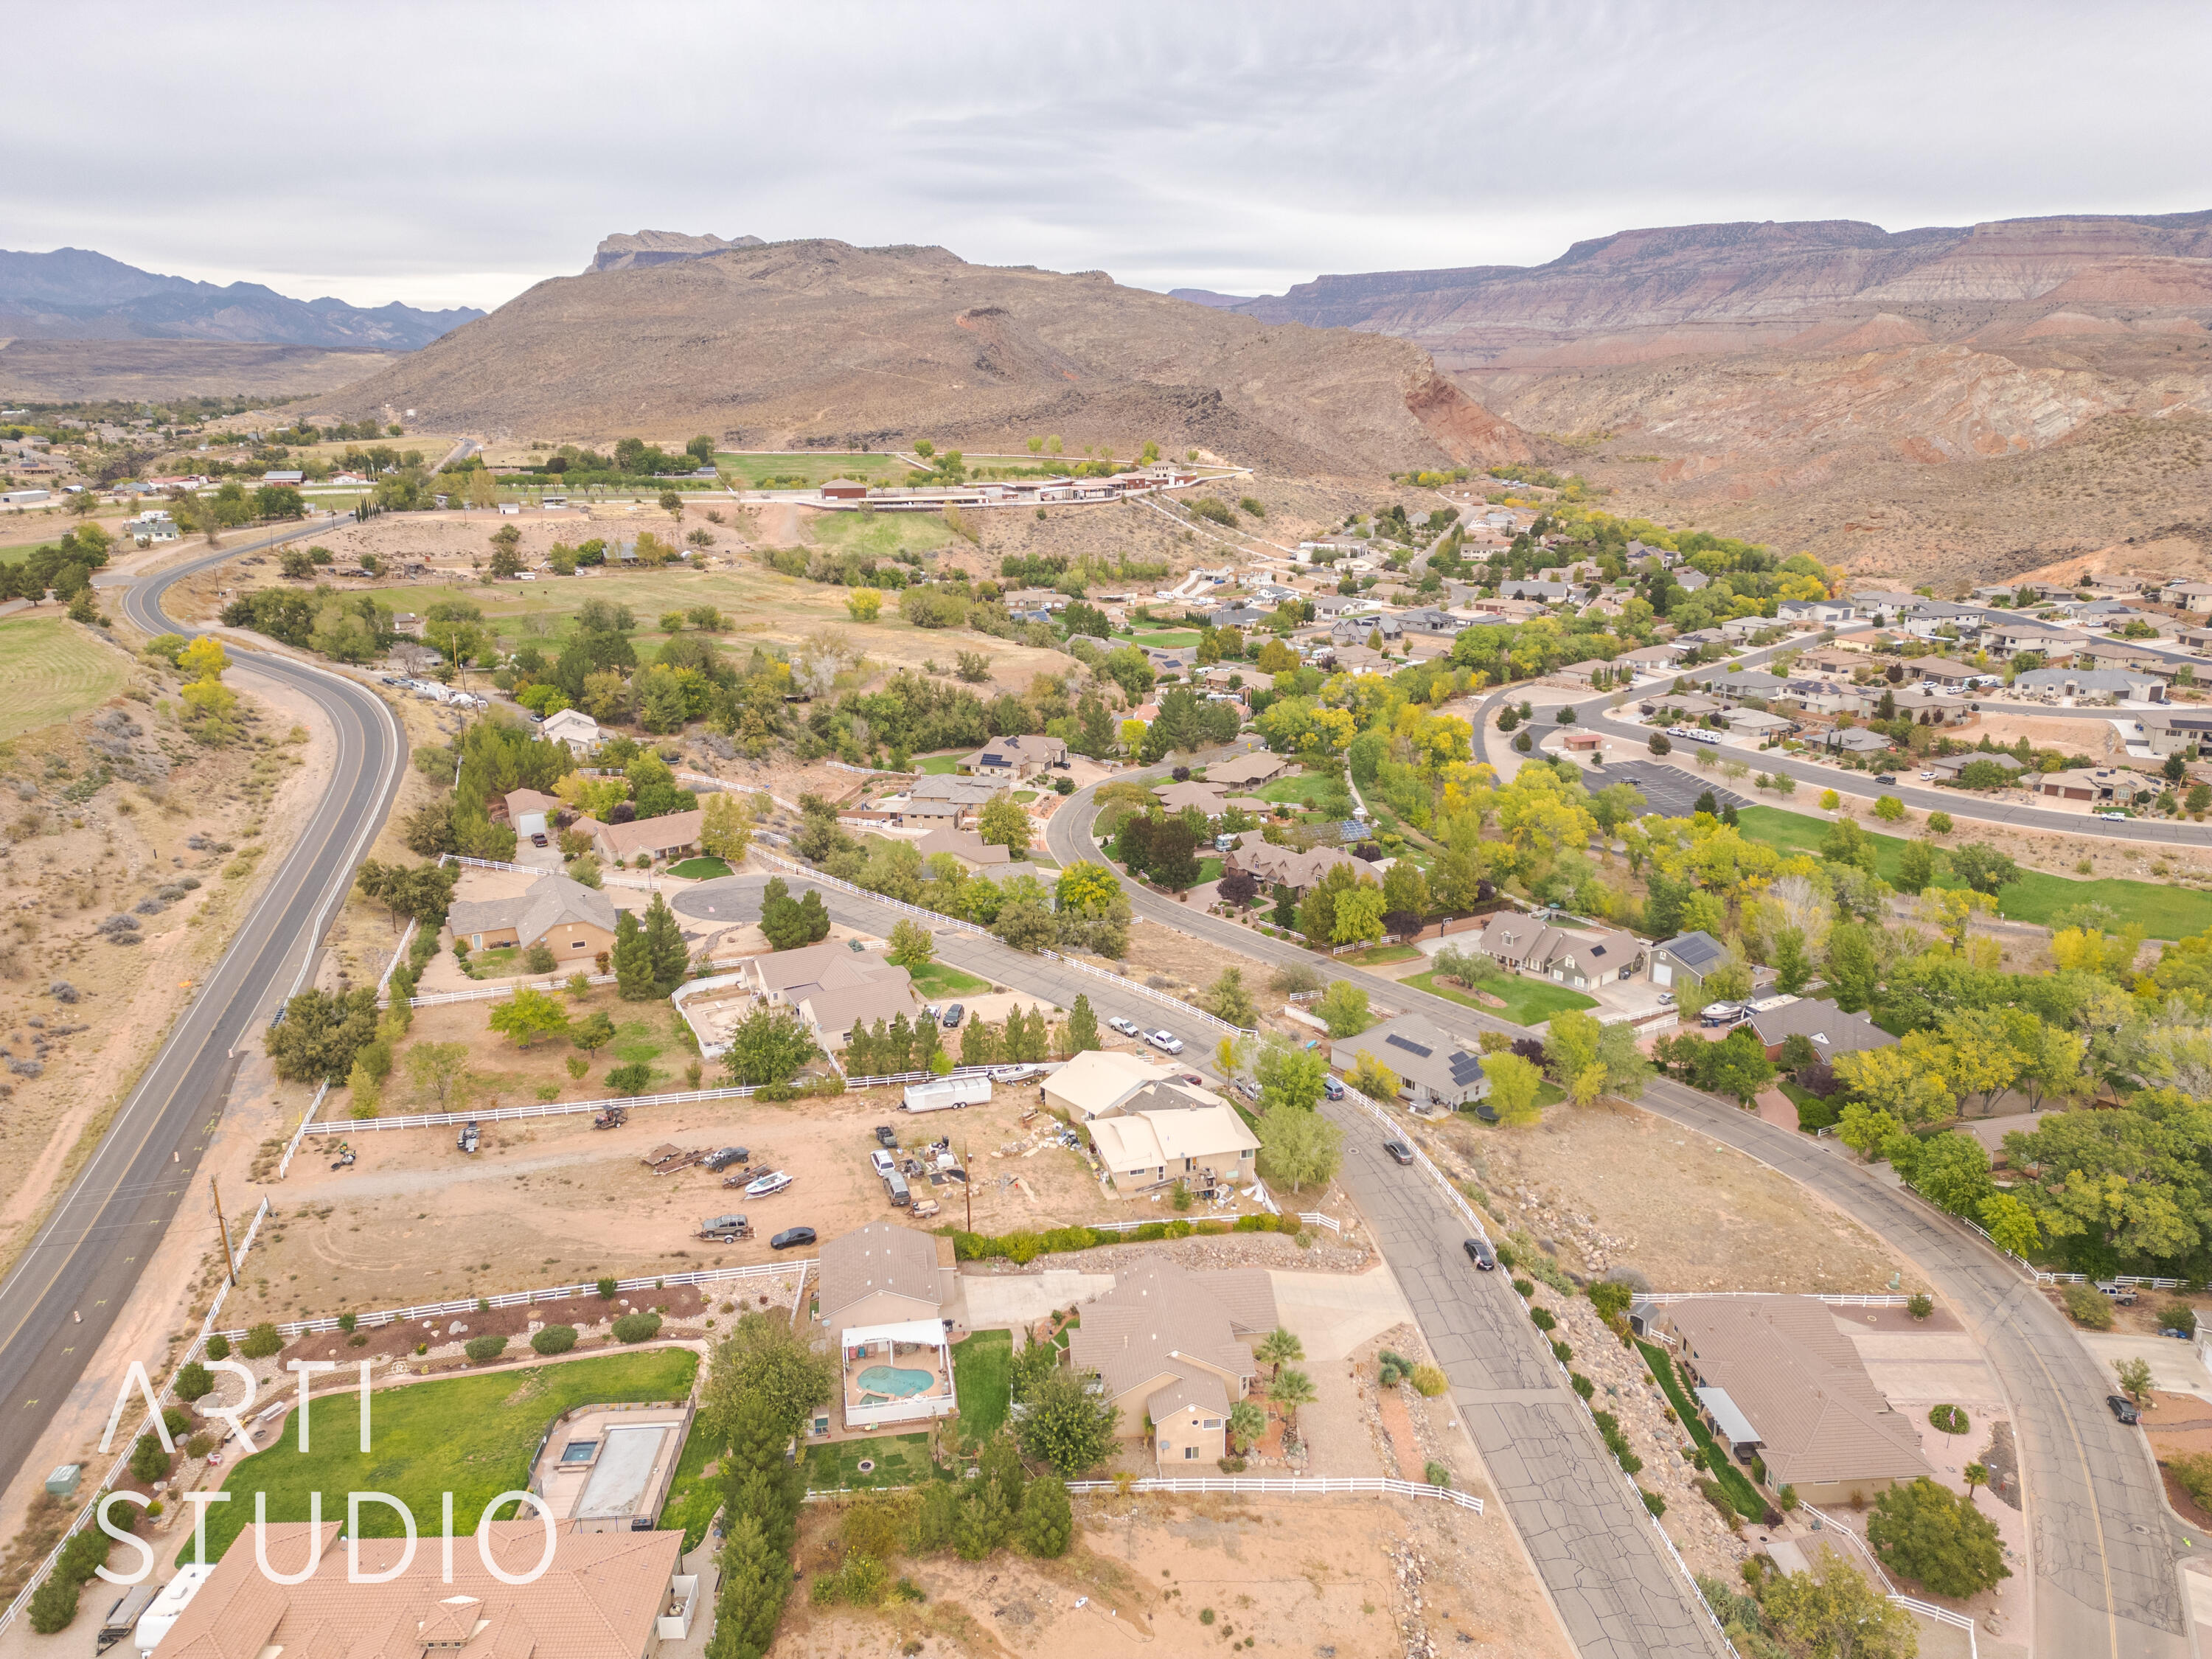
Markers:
<point>1399,1149</point>
<point>955,1014</point>
<point>791,1238</point>
<point>1166,1041</point>
<point>886,1136</point>
<point>1247,1088</point>
<point>1332,1088</point>
<point>1126,1027</point>
<point>885,1163</point>
<point>727,1157</point>
<point>2123,1407</point>
<point>762,1186</point>
<point>1666,998</point>
<point>2121,816</point>
<point>537,838</point>
<point>724,1229</point>
<point>1885,777</point>
<point>467,1138</point>
<point>2122,1295</point>
<point>1481,1255</point>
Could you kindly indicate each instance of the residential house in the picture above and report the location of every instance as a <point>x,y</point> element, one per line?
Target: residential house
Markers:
<point>1946,673</point>
<point>2091,685</point>
<point>1507,610</point>
<point>1172,1349</point>
<point>1688,961</point>
<point>1543,593</point>
<point>879,1290</point>
<point>1208,797</point>
<point>571,726</point>
<point>1010,760</point>
<point>1741,683</point>
<point>2171,731</point>
<point>1245,770</point>
<point>1035,599</point>
<point>1238,617</point>
<point>1437,1071</point>
<point>2104,785</point>
<point>1857,740</point>
<point>1689,705</point>
<point>1826,612</point>
<point>1757,723</point>
<point>940,799</point>
<point>672,835</point>
<point>1358,631</point>
<point>1430,621</point>
<point>1820,1021</point>
<point>575,923</point>
<point>1950,766</point>
<point>2188,595</point>
<point>1825,697</point>
<point>1741,630</point>
<point>1335,607</point>
<point>1166,1131</point>
<point>153,527</point>
<point>2126,653</point>
<point>532,812</point>
<point>1274,867</point>
<point>1098,1080</point>
<point>611,1594</point>
<point>833,988</point>
<point>1688,579</point>
<point>881,1274</point>
<point>1924,705</point>
<point>1570,956</point>
<point>2018,633</point>
<point>971,848</point>
<point>1786,1386</point>
<point>1651,659</point>
<point>1828,659</point>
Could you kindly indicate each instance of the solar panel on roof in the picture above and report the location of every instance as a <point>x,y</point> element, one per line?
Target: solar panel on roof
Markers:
<point>1395,1041</point>
<point>1465,1068</point>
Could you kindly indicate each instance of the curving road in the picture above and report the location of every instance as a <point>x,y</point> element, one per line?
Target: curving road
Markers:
<point>2104,1560</point>
<point>87,1259</point>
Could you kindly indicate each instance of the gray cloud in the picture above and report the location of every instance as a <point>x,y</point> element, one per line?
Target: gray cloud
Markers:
<point>446,155</point>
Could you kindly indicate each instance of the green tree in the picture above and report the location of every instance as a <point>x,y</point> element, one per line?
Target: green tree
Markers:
<point>664,947</point>
<point>726,827</point>
<point>439,1072</point>
<point>761,1361</point>
<point>1226,999</point>
<point>913,945</point>
<point>756,1580</point>
<point>1278,1348</point>
<point>1290,1078</point>
<point>320,1034</point>
<point>1915,867</point>
<point>1066,1425</point>
<point>528,1015</point>
<point>768,1046</point>
<point>1570,1052</point>
<point>1927,1533</point>
<point>1289,1389</point>
<point>1247,1423</point>
<point>1298,1147</point>
<point>1002,822</point>
<point>1514,1085</point>
<point>1083,1027</point>
<point>594,1032</point>
<point>2133,1376</point>
<point>1889,809</point>
<point>633,975</point>
<point>1834,1613</point>
<point>1343,1009</point>
<point>1048,1519</point>
<point>1984,868</point>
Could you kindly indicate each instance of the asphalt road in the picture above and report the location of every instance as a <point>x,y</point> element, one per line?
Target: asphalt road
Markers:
<point>88,1258</point>
<point>2103,1557</point>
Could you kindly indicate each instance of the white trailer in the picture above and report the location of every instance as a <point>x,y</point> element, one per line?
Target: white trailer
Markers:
<point>947,1093</point>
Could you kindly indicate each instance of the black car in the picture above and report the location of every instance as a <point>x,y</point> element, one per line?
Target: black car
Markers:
<point>2123,1407</point>
<point>1399,1149</point>
<point>955,1014</point>
<point>886,1136</point>
<point>1887,777</point>
<point>1481,1255</point>
<point>727,1157</point>
<point>792,1237</point>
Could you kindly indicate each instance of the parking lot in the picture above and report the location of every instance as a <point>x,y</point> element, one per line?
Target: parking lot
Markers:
<point>1670,791</point>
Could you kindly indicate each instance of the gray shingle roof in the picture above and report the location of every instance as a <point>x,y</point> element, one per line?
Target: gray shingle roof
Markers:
<point>1698,952</point>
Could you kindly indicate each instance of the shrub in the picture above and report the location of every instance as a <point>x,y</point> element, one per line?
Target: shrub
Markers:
<point>481,1349</point>
<point>177,1421</point>
<point>1582,1385</point>
<point>53,1605</point>
<point>262,1341</point>
<point>606,1288</point>
<point>347,1321</point>
<point>148,1461</point>
<point>2091,1308</point>
<point>1921,1305</point>
<point>2194,1471</point>
<point>637,1327</point>
<point>1429,1381</point>
<point>194,1381</point>
<point>1524,1287</point>
<point>1542,1318</point>
<point>1436,1474</point>
<point>218,1347</point>
<point>1948,1419</point>
<point>554,1339</point>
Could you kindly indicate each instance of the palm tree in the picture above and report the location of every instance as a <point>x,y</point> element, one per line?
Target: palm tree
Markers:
<point>1977,1474</point>
<point>1278,1348</point>
<point>1290,1390</point>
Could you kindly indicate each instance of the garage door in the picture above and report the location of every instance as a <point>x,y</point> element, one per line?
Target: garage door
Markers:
<point>1661,973</point>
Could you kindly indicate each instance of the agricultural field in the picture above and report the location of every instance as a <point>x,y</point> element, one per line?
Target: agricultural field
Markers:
<point>2163,911</point>
<point>813,467</point>
<point>417,1454</point>
<point>49,670</point>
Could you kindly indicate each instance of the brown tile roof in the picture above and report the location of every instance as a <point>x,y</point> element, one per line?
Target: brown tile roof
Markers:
<point>598,1599</point>
<point>1162,1320</point>
<point>1801,1383</point>
<point>877,1258</point>
<point>662,834</point>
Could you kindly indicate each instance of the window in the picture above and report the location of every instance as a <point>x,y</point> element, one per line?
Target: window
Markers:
<point>1211,1423</point>
<point>580,945</point>
<point>1190,1451</point>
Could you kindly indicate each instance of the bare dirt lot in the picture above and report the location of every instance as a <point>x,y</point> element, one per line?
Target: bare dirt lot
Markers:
<point>1611,1186</point>
<point>552,1201</point>
<point>1368,1577</point>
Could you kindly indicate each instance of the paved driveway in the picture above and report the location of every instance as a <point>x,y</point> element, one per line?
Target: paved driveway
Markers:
<point>1333,1312</point>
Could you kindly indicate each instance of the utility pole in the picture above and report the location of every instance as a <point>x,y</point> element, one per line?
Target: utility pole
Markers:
<point>229,1261</point>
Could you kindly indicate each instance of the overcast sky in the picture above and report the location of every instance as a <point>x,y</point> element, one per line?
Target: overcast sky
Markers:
<point>448,154</point>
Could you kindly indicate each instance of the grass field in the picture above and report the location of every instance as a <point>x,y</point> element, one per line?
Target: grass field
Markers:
<point>901,1460</point>
<point>879,535</point>
<point>982,1371</point>
<point>700,869</point>
<point>815,468</point>
<point>939,766</point>
<point>1379,955</point>
<point>937,980</point>
<point>2164,912</point>
<point>50,669</point>
<point>1528,1001</point>
<point>472,1435</point>
<point>1170,639</point>
<point>692,1496</point>
<point>1304,790</point>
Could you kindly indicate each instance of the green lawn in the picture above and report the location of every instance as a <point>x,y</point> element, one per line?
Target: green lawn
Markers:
<point>700,869</point>
<point>879,535</point>
<point>1813,1112</point>
<point>1166,639</point>
<point>938,980</point>
<point>1024,796</point>
<point>1378,955</point>
<point>901,1460</point>
<point>471,1436</point>
<point>1302,790</point>
<point>497,963</point>
<point>2165,911</point>
<point>50,669</point>
<point>938,766</point>
<point>815,467</point>
<point>692,1498</point>
<point>982,1370</point>
<point>1208,870</point>
<point>1722,1467</point>
<point>1528,1001</point>
<point>635,1041</point>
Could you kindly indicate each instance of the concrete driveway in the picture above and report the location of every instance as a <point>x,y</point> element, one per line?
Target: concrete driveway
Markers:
<point>2176,1367</point>
<point>1016,1299</point>
<point>1333,1312</point>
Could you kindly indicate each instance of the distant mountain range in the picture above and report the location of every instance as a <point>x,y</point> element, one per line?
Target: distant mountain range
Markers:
<point>73,294</point>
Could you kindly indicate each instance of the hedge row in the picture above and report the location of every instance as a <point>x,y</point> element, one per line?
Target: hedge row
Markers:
<point>1025,1246</point>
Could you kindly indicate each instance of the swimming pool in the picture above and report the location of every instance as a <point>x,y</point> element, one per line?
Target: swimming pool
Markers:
<point>894,1383</point>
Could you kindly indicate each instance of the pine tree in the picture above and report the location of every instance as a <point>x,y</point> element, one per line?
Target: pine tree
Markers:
<point>756,1480</point>
<point>1082,1028</point>
<point>898,1047</point>
<point>634,980</point>
<point>926,1043</point>
<point>979,1043</point>
<point>1048,1519</point>
<point>983,1524</point>
<point>1001,1465</point>
<point>939,1518</point>
<point>664,941</point>
<point>756,1580</point>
